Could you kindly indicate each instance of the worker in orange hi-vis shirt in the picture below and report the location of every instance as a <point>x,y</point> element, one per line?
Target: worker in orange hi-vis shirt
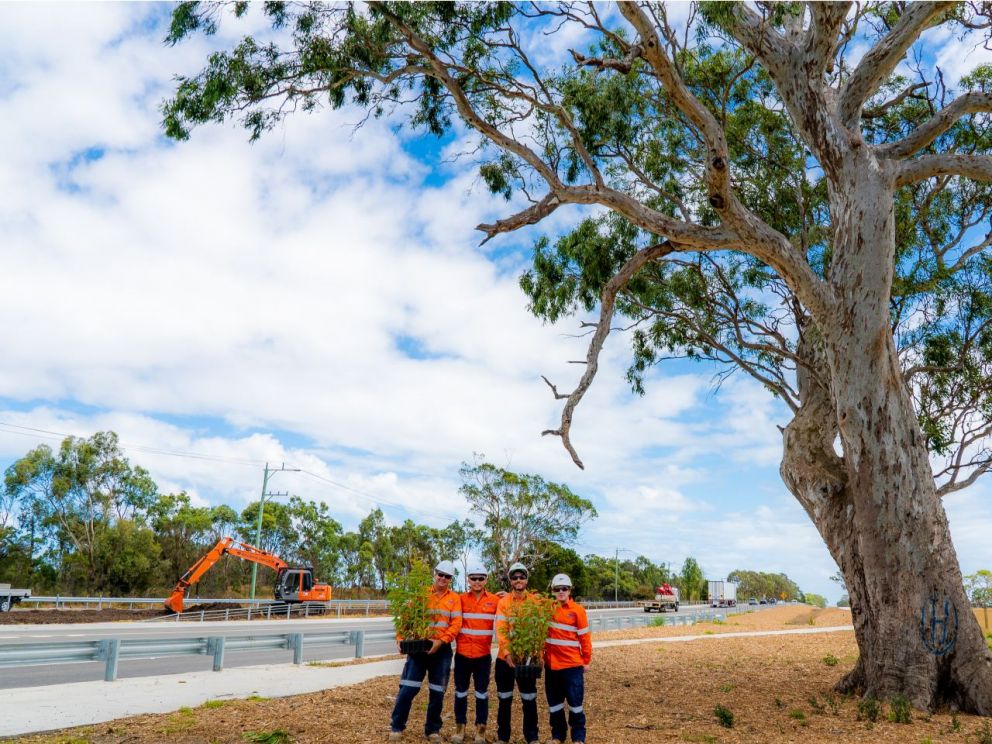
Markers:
<point>435,664</point>
<point>505,676</point>
<point>567,652</point>
<point>473,654</point>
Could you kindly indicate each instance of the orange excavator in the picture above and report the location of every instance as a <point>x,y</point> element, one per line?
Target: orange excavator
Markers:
<point>293,584</point>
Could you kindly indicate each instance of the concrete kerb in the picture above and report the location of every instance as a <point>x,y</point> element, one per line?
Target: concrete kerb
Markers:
<point>51,707</point>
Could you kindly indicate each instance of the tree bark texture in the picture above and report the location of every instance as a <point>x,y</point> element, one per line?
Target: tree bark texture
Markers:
<point>876,505</point>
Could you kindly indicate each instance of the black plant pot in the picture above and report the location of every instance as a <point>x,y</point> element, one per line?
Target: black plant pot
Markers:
<point>419,646</point>
<point>527,671</point>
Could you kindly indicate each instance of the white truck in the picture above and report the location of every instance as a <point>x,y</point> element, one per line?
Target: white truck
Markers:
<point>9,596</point>
<point>722,593</point>
<point>666,598</point>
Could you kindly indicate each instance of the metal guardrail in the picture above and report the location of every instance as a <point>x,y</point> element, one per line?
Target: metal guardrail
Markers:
<point>111,651</point>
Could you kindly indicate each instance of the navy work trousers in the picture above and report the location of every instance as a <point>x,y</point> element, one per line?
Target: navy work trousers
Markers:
<point>476,671</point>
<point>437,668</point>
<point>505,679</point>
<point>566,686</point>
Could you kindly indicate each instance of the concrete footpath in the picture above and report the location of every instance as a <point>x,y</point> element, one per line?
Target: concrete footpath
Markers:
<point>35,709</point>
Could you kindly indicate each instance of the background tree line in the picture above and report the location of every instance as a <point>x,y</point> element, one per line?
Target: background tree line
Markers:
<point>83,520</point>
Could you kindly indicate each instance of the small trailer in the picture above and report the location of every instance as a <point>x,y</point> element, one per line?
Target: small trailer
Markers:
<point>9,596</point>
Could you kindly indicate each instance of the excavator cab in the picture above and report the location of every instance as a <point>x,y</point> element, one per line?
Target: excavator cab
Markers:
<point>294,584</point>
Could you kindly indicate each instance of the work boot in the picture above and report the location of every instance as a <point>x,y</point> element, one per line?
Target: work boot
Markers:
<point>480,733</point>
<point>459,736</point>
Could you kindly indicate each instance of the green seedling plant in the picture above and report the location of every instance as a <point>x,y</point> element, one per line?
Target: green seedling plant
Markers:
<point>658,622</point>
<point>868,709</point>
<point>528,629</point>
<point>830,660</point>
<point>900,710</point>
<point>267,737</point>
<point>408,597</point>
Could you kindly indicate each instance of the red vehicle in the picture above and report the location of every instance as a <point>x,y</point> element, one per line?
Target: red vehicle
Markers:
<point>666,597</point>
<point>293,584</point>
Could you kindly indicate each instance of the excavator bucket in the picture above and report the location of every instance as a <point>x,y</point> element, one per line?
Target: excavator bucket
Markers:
<point>175,601</point>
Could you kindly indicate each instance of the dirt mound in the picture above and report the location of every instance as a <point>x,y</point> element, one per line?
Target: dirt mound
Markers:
<point>20,616</point>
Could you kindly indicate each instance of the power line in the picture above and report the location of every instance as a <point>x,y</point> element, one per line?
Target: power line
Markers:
<point>138,447</point>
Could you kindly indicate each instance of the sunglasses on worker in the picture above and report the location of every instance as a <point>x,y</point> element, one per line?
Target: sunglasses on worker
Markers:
<point>443,575</point>
<point>518,577</point>
<point>477,578</point>
<point>559,589</point>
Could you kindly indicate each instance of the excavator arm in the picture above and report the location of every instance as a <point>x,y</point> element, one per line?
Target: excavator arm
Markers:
<point>226,545</point>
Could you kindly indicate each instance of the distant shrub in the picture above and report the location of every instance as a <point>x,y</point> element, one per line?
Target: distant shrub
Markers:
<point>657,622</point>
<point>798,716</point>
<point>831,660</point>
<point>723,716</point>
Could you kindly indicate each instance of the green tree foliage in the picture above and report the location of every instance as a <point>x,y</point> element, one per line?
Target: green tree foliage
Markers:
<point>556,560</point>
<point>521,514</point>
<point>691,582</point>
<point>763,585</point>
<point>979,586</point>
<point>815,599</point>
<point>74,495</point>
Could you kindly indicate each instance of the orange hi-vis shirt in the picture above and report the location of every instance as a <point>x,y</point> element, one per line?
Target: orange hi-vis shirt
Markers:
<point>475,639</point>
<point>447,611</point>
<point>503,621</point>
<point>569,643</point>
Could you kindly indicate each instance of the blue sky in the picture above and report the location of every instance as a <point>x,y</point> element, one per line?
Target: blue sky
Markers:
<point>320,299</point>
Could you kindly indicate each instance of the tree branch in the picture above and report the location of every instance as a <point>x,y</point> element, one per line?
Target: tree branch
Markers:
<point>876,66</point>
<point>932,128</point>
<point>530,216</point>
<point>822,37</point>
<point>975,167</point>
<point>608,302</point>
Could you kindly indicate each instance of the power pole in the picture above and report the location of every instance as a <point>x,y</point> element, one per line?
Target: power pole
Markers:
<point>616,577</point>
<point>261,507</point>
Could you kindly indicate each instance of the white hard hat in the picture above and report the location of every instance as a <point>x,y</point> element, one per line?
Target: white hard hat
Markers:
<point>517,567</point>
<point>477,570</point>
<point>561,580</point>
<point>446,567</point>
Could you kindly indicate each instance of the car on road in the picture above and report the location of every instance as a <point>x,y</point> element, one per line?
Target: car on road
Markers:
<point>752,601</point>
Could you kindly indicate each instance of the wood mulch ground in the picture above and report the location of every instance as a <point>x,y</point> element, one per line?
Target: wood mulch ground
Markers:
<point>778,690</point>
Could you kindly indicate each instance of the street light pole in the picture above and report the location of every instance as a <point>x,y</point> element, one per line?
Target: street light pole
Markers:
<point>261,507</point>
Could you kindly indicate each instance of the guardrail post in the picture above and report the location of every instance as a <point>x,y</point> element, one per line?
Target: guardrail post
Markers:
<point>306,609</point>
<point>359,644</point>
<point>297,648</point>
<point>113,648</point>
<point>218,653</point>
<point>99,604</point>
<point>249,612</point>
<point>268,615</point>
<point>368,606</point>
<point>339,609</point>
<point>201,615</point>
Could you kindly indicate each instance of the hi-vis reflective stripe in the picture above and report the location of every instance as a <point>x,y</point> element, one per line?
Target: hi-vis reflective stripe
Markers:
<point>556,708</point>
<point>561,642</point>
<point>575,710</point>
<point>478,616</point>
<point>561,626</point>
<point>435,688</point>
<point>528,696</point>
<point>410,683</point>
<point>440,624</point>
<point>446,613</point>
<point>582,631</point>
<point>482,695</point>
<point>474,632</point>
<point>502,618</point>
<point>505,695</point>
<point>461,693</point>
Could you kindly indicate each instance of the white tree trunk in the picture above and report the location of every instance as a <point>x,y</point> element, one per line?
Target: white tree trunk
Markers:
<point>876,504</point>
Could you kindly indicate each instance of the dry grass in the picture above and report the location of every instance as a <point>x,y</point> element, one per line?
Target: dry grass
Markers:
<point>778,689</point>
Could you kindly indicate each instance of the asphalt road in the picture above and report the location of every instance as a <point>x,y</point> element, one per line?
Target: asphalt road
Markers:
<point>39,675</point>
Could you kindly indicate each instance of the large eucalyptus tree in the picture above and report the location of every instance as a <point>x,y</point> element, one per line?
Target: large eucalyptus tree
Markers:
<point>793,191</point>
